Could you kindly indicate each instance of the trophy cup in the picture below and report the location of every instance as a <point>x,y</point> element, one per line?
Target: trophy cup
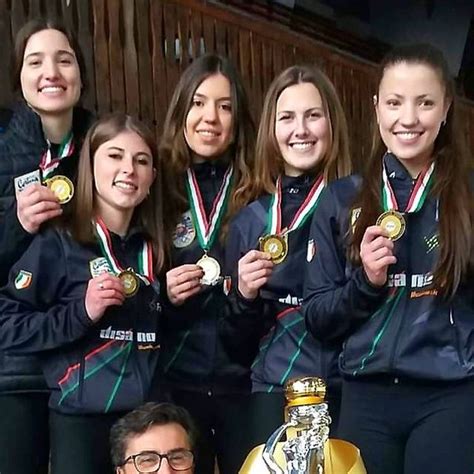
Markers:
<point>307,449</point>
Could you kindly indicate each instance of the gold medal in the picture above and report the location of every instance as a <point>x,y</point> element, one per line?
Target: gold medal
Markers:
<point>211,268</point>
<point>130,282</point>
<point>276,246</point>
<point>62,187</point>
<point>393,223</point>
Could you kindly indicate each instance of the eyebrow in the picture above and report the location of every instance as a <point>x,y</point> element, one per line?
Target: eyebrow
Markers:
<point>307,110</point>
<point>203,96</point>
<point>113,147</point>
<point>399,96</point>
<point>60,51</point>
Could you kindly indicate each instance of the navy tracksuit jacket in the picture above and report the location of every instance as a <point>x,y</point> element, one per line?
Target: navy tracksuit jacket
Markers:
<point>403,328</point>
<point>90,368</point>
<point>193,356</point>
<point>273,333</point>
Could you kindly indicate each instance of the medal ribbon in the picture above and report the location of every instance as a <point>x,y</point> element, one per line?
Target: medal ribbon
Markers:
<point>48,164</point>
<point>206,229</point>
<point>302,214</point>
<point>418,193</point>
<point>145,257</point>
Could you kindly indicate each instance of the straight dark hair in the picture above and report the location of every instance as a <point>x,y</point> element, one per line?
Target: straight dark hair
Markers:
<point>452,183</point>
<point>174,150</point>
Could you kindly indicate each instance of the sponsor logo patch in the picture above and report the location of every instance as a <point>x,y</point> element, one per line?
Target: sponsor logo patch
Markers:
<point>23,280</point>
<point>22,182</point>
<point>98,266</point>
<point>185,232</point>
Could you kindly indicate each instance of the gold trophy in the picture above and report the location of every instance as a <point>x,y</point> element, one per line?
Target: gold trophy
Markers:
<point>307,449</point>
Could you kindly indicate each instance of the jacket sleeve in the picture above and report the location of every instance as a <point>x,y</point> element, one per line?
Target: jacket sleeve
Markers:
<point>243,322</point>
<point>13,242</point>
<point>35,314</point>
<point>336,298</point>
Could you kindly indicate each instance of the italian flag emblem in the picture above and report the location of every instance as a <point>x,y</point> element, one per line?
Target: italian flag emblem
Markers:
<point>23,280</point>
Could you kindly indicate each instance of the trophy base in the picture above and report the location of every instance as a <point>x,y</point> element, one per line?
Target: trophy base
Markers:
<point>340,457</point>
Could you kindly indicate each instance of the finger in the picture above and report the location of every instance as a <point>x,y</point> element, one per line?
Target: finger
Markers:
<point>188,276</point>
<point>106,293</point>
<point>41,207</point>
<point>256,265</point>
<point>253,255</point>
<point>372,232</point>
<point>112,302</point>
<point>182,269</point>
<point>262,273</point>
<point>35,194</point>
<point>187,294</point>
<point>381,253</point>
<point>382,263</point>
<point>260,282</point>
<point>187,286</point>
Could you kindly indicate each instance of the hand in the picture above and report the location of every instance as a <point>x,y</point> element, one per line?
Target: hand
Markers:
<point>255,269</point>
<point>183,282</point>
<point>376,253</point>
<point>36,204</point>
<point>103,291</point>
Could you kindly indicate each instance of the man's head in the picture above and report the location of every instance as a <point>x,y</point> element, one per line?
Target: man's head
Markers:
<point>154,438</point>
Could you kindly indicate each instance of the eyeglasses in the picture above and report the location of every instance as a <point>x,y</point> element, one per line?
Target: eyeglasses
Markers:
<point>150,461</point>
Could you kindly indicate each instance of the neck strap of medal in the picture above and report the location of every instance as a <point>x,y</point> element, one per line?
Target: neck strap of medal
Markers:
<point>207,228</point>
<point>48,164</point>
<point>305,210</point>
<point>417,196</point>
<point>145,257</point>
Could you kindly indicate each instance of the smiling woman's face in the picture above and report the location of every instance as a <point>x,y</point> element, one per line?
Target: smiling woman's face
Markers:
<point>50,77</point>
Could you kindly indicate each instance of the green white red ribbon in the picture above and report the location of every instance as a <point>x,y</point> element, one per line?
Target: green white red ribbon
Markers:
<point>48,164</point>
<point>304,211</point>
<point>207,228</point>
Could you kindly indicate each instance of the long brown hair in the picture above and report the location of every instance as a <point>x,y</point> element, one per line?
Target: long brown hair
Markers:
<point>174,151</point>
<point>269,162</point>
<point>148,214</point>
<point>451,179</point>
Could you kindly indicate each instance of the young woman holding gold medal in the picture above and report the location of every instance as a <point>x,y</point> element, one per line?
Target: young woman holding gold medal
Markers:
<point>84,295</point>
<point>393,276</point>
<point>302,144</point>
<point>38,163</point>
<point>206,146</point>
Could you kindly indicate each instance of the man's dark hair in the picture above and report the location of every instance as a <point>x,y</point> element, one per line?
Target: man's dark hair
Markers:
<point>141,420</point>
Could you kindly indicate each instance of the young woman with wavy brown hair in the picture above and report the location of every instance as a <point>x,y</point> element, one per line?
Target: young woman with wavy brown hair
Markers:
<point>302,144</point>
<point>392,277</point>
<point>206,149</point>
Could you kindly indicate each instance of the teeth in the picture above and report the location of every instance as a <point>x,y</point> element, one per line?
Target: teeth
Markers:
<point>52,89</point>
<point>302,146</point>
<point>408,135</point>
<point>121,184</point>
<point>207,133</point>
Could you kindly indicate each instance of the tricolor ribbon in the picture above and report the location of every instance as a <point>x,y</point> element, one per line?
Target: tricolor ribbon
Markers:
<point>48,164</point>
<point>207,228</point>
<point>145,257</point>
<point>418,193</point>
<point>304,211</point>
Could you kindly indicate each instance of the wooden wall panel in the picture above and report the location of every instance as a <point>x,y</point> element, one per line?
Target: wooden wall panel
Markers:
<point>136,50</point>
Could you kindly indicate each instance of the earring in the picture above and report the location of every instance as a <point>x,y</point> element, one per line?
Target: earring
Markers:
<point>443,123</point>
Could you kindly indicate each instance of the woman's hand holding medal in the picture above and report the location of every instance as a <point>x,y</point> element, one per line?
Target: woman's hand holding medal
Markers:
<point>376,253</point>
<point>36,204</point>
<point>255,268</point>
<point>103,291</point>
<point>183,282</point>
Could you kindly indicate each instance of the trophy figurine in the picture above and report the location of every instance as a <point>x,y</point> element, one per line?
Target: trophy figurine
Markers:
<point>307,449</point>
